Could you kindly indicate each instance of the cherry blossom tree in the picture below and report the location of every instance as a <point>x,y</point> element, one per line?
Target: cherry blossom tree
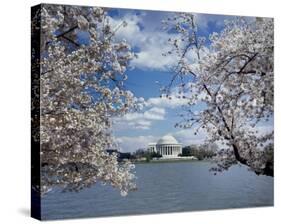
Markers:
<point>230,77</point>
<point>81,88</point>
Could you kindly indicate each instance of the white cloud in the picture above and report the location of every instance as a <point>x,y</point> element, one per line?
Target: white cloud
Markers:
<point>138,124</point>
<point>131,31</point>
<point>154,109</point>
<point>155,113</point>
<point>203,21</point>
<point>166,102</point>
<point>175,99</point>
<point>131,144</point>
<point>139,120</point>
<point>187,137</point>
<point>151,41</point>
<point>153,59</point>
<point>145,32</point>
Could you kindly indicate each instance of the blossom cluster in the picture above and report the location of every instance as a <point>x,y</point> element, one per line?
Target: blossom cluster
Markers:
<point>232,79</point>
<point>82,87</point>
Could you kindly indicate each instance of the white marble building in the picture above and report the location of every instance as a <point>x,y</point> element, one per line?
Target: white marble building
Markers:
<point>166,146</point>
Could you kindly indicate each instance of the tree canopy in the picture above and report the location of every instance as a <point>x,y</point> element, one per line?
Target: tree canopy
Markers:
<point>231,76</point>
<point>82,85</point>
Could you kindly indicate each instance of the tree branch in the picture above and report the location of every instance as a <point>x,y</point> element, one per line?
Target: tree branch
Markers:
<point>66,32</point>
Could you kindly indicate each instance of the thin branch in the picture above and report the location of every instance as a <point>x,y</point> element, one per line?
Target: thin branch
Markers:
<point>66,32</point>
<point>70,40</point>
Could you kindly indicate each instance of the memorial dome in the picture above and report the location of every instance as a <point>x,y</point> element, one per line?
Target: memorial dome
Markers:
<point>167,140</point>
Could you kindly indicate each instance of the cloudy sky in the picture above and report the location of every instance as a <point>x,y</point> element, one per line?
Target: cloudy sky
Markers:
<point>150,70</point>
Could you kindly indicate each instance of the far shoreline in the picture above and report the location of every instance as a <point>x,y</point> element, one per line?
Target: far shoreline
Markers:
<point>170,161</point>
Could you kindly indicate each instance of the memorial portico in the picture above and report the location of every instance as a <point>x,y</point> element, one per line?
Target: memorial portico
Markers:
<point>167,146</point>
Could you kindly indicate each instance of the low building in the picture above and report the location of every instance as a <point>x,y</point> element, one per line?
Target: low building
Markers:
<point>167,147</point>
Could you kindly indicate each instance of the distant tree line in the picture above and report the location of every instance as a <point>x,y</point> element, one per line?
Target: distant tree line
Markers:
<point>205,151</point>
<point>140,154</point>
<point>144,153</point>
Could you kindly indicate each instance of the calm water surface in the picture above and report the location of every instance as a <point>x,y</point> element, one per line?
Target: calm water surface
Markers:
<point>166,187</point>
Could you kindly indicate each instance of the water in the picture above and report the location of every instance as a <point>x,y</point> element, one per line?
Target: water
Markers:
<point>166,187</point>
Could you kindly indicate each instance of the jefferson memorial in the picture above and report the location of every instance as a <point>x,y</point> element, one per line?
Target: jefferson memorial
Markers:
<point>166,146</point>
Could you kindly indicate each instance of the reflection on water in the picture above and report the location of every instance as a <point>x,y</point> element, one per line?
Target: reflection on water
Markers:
<point>166,187</point>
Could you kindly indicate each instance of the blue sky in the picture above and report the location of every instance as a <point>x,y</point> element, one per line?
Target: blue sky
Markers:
<point>148,71</point>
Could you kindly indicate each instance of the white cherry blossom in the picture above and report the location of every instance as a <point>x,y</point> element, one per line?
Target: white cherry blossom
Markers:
<point>81,88</point>
<point>235,76</point>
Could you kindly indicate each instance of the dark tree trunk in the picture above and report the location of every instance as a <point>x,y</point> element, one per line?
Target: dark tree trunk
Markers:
<point>267,170</point>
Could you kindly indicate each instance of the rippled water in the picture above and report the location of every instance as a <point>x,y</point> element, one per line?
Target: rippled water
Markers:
<point>166,187</point>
